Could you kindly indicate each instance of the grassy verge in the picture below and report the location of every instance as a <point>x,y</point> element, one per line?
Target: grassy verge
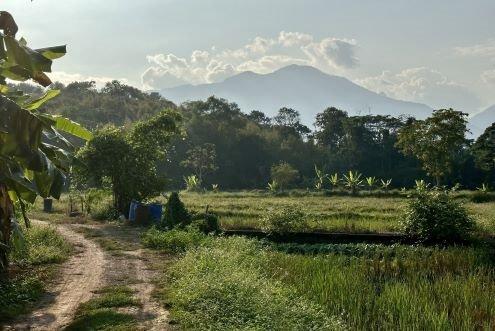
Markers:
<point>32,266</point>
<point>100,313</point>
<point>220,285</point>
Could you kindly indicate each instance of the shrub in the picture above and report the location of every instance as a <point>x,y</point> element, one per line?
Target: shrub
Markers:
<point>284,175</point>
<point>283,221</point>
<point>206,223</point>
<point>434,216</point>
<point>193,183</point>
<point>481,197</point>
<point>176,213</point>
<point>104,212</point>
<point>172,241</point>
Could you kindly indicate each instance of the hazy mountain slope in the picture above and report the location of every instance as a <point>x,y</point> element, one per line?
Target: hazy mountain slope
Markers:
<point>303,88</point>
<point>480,121</point>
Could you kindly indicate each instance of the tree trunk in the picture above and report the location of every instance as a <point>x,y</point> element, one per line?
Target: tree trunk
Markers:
<point>6,212</point>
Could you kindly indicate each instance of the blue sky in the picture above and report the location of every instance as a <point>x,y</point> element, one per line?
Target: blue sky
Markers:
<point>438,52</point>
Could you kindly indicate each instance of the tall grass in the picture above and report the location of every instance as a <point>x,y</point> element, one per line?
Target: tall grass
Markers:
<point>416,289</point>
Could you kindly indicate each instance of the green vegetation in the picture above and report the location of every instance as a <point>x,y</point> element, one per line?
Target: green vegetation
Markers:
<point>97,313</point>
<point>222,286</point>
<point>283,221</point>
<point>434,216</point>
<point>173,241</point>
<point>32,264</point>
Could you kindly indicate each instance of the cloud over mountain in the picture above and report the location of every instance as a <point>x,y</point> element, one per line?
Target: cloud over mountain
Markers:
<point>261,55</point>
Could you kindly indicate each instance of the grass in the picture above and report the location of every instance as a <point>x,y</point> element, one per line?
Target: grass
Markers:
<point>32,266</point>
<point>173,241</point>
<point>363,214</point>
<point>100,312</point>
<point>222,286</point>
<point>378,288</point>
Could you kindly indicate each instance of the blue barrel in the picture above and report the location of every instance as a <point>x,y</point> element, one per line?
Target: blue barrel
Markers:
<point>156,211</point>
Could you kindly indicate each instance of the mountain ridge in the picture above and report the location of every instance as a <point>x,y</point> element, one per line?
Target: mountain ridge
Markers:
<point>303,88</point>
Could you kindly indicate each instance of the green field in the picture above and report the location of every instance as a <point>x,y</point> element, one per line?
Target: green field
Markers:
<point>242,210</point>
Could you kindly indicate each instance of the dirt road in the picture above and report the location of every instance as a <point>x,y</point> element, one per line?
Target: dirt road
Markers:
<point>104,255</point>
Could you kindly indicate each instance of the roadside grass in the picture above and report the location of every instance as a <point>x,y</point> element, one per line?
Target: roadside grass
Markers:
<point>100,312</point>
<point>172,241</point>
<point>222,286</point>
<point>32,267</point>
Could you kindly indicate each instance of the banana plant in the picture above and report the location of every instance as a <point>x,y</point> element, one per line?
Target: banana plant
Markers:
<point>215,188</point>
<point>193,183</point>
<point>371,182</point>
<point>334,180</point>
<point>385,184</point>
<point>273,186</point>
<point>34,155</point>
<point>353,181</point>
<point>421,185</point>
<point>484,188</point>
<point>320,178</point>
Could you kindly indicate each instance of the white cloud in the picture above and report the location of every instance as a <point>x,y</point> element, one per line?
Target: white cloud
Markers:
<point>423,85</point>
<point>486,49</point>
<point>67,78</point>
<point>261,55</point>
<point>488,76</point>
<point>289,39</point>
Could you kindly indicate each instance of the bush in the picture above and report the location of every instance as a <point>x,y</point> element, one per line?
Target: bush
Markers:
<point>435,217</point>
<point>176,213</point>
<point>222,286</point>
<point>172,241</point>
<point>104,212</point>
<point>284,175</point>
<point>206,223</point>
<point>283,221</point>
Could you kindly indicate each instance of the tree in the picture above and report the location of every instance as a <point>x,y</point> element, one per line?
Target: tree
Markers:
<point>284,174</point>
<point>34,155</point>
<point>202,160</point>
<point>289,121</point>
<point>436,141</point>
<point>484,150</point>
<point>127,160</point>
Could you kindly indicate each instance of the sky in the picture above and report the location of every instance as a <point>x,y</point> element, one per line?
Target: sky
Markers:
<point>439,52</point>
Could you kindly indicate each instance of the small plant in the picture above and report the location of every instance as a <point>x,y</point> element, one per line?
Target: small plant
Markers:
<point>193,183</point>
<point>371,182</point>
<point>421,185</point>
<point>176,213</point>
<point>334,180</point>
<point>273,186</point>
<point>283,221</point>
<point>434,216</point>
<point>173,241</point>
<point>284,174</point>
<point>320,178</point>
<point>215,188</point>
<point>353,181</point>
<point>206,223</point>
<point>385,184</point>
<point>483,189</point>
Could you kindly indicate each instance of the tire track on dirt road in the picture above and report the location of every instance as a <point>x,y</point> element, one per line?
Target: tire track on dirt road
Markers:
<point>79,277</point>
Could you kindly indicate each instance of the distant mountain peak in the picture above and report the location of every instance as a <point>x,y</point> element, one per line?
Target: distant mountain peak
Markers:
<point>304,88</point>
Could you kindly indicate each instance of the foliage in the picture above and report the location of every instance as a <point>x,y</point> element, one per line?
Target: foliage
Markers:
<point>202,160</point>
<point>173,241</point>
<point>371,182</point>
<point>353,181</point>
<point>434,216</point>
<point>207,223</point>
<point>34,155</point>
<point>176,213</point>
<point>284,174</point>
<point>320,178</point>
<point>18,293</point>
<point>385,184</point>
<point>193,183</point>
<point>484,149</point>
<point>283,221</point>
<point>334,180</point>
<point>215,188</point>
<point>437,141</point>
<point>135,174</point>
<point>222,286</point>
<point>273,186</point>
<point>482,194</point>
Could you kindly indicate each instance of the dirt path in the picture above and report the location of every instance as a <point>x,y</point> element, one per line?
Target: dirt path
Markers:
<point>79,277</point>
<point>105,255</point>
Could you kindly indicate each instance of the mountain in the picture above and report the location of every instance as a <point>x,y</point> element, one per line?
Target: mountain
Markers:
<point>480,121</point>
<point>303,88</point>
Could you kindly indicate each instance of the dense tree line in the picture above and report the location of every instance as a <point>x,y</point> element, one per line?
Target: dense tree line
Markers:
<point>223,145</point>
